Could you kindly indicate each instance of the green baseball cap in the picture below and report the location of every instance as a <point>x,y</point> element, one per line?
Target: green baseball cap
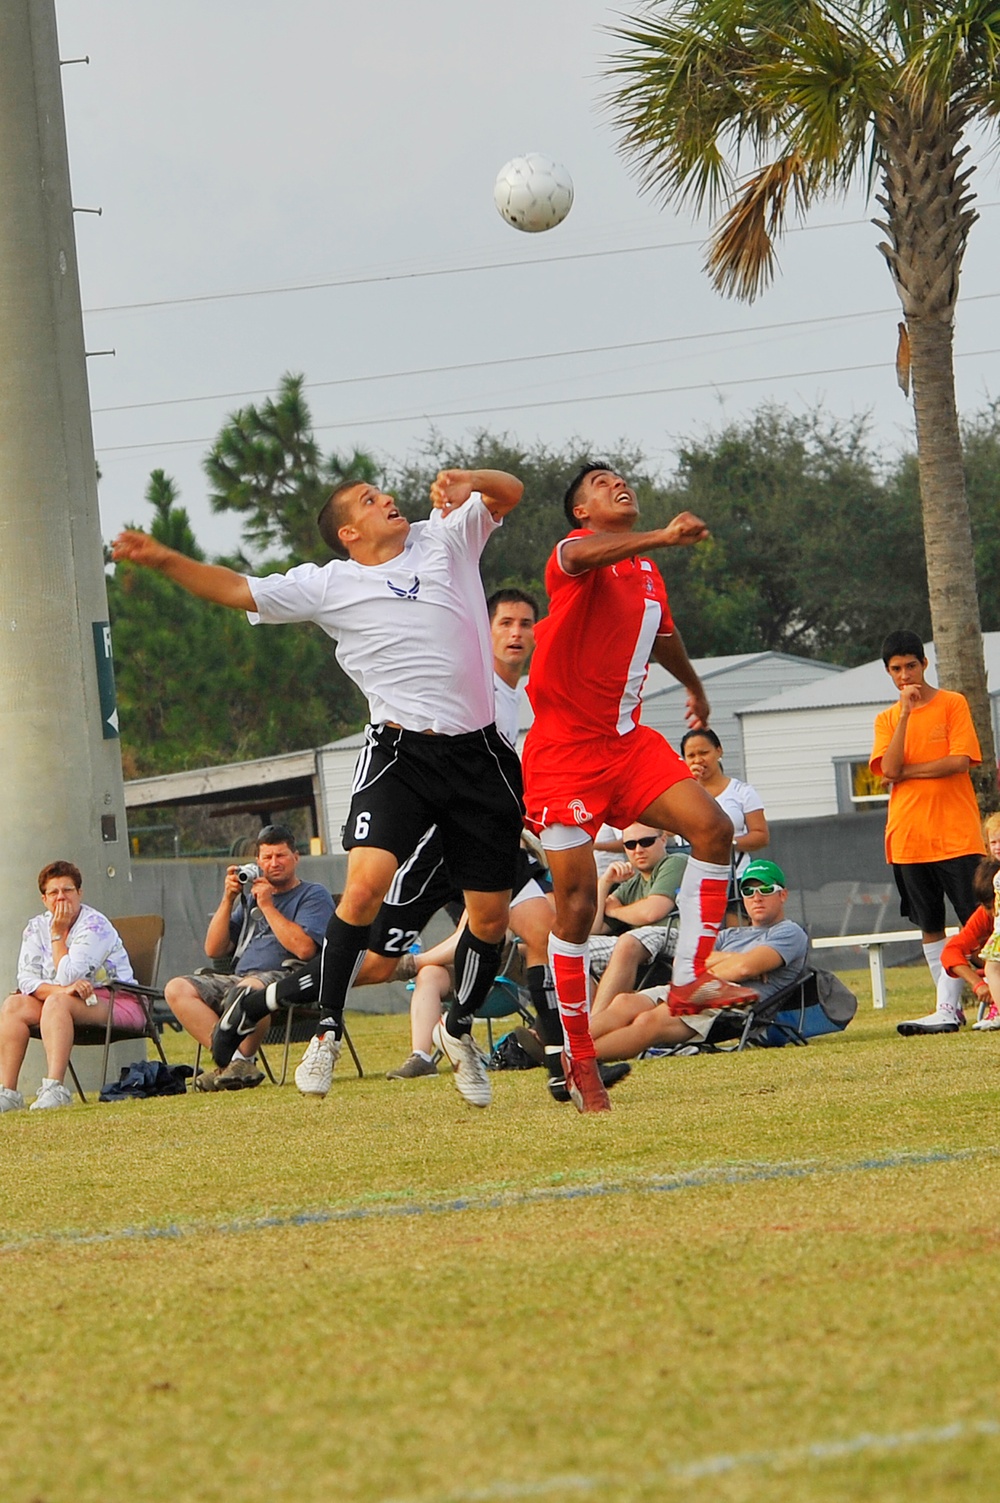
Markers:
<point>766,872</point>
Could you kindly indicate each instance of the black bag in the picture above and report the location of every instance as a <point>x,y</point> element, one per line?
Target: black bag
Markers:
<point>148,1077</point>
<point>509,1054</point>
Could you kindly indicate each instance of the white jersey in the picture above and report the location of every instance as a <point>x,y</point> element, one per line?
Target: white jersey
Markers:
<point>413,633</point>
<point>508,708</point>
<point>739,799</point>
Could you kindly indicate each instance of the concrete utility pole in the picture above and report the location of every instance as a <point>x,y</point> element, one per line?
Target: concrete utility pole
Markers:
<point>60,764</point>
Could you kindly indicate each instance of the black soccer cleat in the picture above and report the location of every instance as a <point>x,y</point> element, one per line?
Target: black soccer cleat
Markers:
<point>610,1075</point>
<point>247,1006</point>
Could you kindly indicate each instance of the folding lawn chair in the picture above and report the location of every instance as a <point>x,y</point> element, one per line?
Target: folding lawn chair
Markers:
<point>749,1025</point>
<point>294,1032</point>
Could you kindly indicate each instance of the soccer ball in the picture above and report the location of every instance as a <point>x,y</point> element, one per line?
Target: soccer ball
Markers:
<point>533,193</point>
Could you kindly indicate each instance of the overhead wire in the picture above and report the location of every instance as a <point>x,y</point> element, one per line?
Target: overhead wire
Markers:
<point>611,396</point>
<point>470,365</point>
<point>370,279</point>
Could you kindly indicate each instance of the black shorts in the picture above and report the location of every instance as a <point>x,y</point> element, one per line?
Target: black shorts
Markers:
<point>529,870</point>
<point>421,887</point>
<point>924,885</point>
<point>469,786</point>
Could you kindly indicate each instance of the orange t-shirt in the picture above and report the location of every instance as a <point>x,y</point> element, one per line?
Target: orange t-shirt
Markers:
<point>931,819</point>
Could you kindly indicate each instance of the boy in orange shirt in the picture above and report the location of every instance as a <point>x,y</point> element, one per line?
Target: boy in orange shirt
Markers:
<point>924,747</point>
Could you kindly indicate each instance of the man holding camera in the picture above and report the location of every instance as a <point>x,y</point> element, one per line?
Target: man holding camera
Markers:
<point>267,916</point>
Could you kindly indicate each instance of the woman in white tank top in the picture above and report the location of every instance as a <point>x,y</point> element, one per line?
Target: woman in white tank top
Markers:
<point>702,751</point>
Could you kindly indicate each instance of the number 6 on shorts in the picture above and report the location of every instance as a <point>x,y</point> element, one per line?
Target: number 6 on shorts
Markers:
<point>361,825</point>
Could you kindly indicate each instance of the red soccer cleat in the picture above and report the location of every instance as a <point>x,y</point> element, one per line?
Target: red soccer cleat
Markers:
<point>585,1086</point>
<point>705,992</point>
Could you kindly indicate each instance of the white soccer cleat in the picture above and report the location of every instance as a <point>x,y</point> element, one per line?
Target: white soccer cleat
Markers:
<point>470,1077</point>
<point>315,1073</point>
<point>10,1101</point>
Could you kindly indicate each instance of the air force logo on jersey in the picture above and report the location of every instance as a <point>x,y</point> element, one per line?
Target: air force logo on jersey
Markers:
<point>407,594</point>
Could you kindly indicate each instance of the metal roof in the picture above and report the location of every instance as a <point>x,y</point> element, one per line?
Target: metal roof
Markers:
<point>868,684</point>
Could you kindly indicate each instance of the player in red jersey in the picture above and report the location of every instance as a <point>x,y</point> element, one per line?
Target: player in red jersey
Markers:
<point>587,759</point>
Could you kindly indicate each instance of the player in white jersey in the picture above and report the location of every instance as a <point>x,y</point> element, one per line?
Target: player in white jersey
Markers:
<point>407,611</point>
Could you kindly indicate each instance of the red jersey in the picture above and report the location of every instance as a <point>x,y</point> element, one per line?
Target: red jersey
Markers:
<point>592,650</point>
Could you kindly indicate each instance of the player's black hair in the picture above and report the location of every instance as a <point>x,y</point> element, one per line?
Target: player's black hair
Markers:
<point>569,500</point>
<point>702,730</point>
<point>511,597</point>
<point>982,881</point>
<point>333,516</point>
<point>274,835</point>
<point>902,644</point>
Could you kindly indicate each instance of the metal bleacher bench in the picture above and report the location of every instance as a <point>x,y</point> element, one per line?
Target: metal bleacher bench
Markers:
<point>874,944</point>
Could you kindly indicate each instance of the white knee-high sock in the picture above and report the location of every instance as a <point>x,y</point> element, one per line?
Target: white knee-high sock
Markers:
<point>949,993</point>
<point>932,955</point>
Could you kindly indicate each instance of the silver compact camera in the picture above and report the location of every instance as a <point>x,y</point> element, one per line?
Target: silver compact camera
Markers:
<point>247,874</point>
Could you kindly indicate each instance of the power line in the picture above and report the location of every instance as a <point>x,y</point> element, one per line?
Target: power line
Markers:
<point>451,271</point>
<point>608,396</point>
<point>475,365</point>
<point>595,349</point>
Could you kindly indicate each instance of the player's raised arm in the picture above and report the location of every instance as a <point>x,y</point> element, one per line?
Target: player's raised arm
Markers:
<point>578,555</point>
<point>209,581</point>
<point>500,492</point>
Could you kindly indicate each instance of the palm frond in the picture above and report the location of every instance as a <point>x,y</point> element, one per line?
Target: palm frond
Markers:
<point>741,258</point>
<point>957,55</point>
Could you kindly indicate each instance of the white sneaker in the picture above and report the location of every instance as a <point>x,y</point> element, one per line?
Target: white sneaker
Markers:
<point>934,1022</point>
<point>470,1077</point>
<point>10,1101</point>
<point>315,1073</point>
<point>989,1021</point>
<point>51,1093</point>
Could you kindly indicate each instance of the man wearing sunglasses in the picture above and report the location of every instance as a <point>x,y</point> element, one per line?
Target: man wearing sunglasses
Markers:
<point>766,957</point>
<point>635,899</point>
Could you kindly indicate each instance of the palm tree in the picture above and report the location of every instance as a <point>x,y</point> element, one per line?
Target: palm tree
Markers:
<point>267,464</point>
<point>817,97</point>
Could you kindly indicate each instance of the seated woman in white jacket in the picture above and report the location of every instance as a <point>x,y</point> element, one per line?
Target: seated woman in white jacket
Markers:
<point>67,952</point>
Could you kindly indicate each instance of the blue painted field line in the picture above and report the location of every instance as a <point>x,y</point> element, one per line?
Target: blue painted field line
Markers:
<point>744,1174</point>
<point>612,1484</point>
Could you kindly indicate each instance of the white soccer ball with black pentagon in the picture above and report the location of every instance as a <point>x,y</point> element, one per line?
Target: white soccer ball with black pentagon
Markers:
<point>533,192</point>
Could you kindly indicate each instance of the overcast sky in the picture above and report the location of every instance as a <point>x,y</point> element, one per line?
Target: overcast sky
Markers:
<point>244,146</point>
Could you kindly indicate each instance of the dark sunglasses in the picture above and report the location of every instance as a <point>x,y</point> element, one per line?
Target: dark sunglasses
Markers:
<point>644,840</point>
<point>764,888</point>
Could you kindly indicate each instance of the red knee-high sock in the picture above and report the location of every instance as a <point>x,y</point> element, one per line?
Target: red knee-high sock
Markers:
<point>701,903</point>
<point>569,972</point>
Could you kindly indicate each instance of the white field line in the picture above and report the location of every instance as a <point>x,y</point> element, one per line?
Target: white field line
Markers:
<point>615,1484</point>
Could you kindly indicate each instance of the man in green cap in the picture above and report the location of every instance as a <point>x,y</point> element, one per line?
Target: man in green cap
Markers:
<point>767,956</point>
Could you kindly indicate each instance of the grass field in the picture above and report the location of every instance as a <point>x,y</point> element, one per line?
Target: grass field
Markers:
<point>765,1277</point>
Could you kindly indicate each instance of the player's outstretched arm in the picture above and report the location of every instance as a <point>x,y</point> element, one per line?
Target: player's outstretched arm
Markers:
<point>500,492</point>
<point>578,555</point>
<point>671,654</point>
<point>209,581</point>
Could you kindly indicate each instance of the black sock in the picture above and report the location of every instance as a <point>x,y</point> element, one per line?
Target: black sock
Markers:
<point>541,989</point>
<point>542,992</point>
<point>297,987</point>
<point>476,966</point>
<point>340,960</point>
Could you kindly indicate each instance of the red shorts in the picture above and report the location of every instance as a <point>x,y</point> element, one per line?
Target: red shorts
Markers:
<point>590,783</point>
